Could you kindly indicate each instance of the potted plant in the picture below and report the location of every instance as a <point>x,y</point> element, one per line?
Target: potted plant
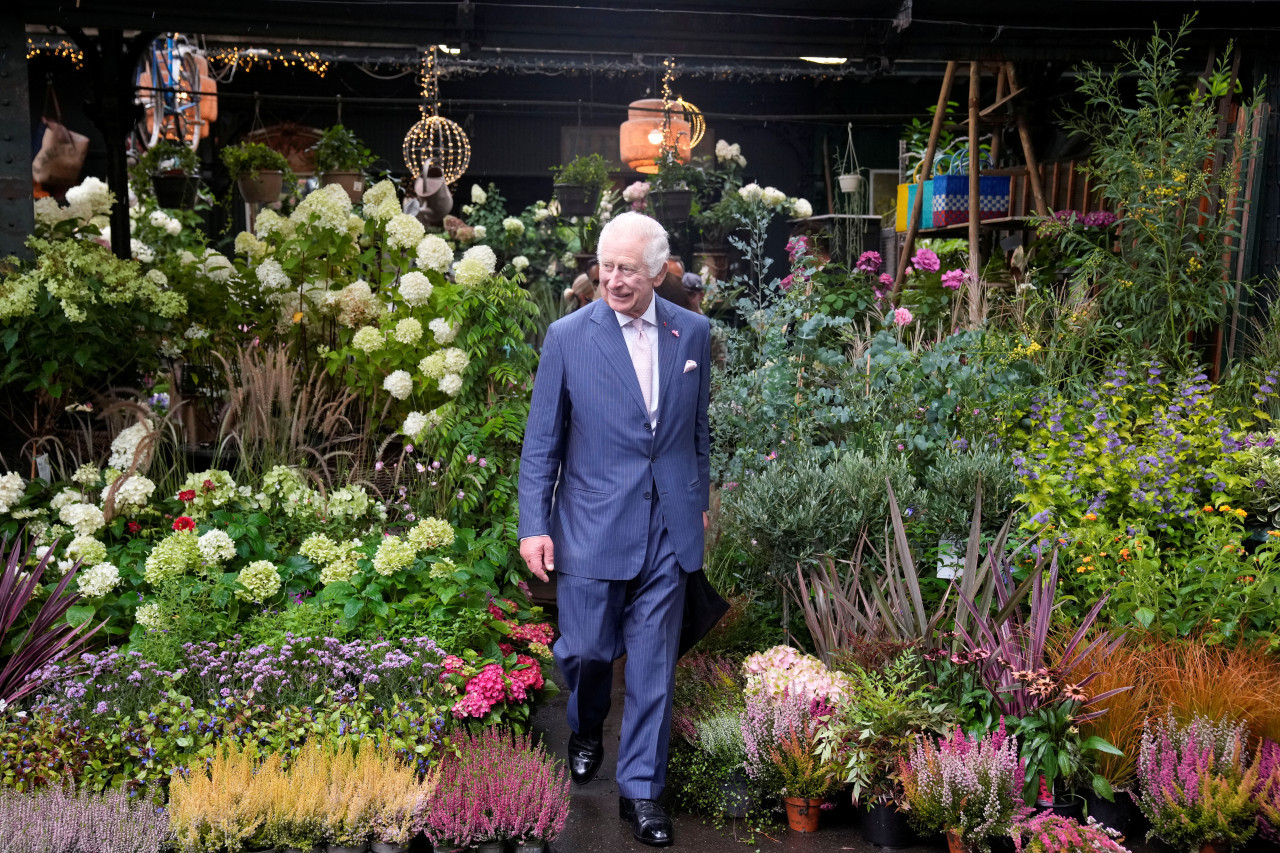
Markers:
<point>579,183</point>
<point>258,171</point>
<point>672,189</point>
<point>878,719</point>
<point>341,158</point>
<point>173,171</point>
<point>969,788</point>
<point>1197,791</point>
<point>807,778</point>
<point>1051,833</point>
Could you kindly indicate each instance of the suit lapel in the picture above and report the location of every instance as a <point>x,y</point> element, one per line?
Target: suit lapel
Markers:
<point>668,353</point>
<point>608,337</point>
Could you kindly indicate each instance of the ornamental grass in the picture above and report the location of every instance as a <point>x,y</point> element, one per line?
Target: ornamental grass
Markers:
<point>1240,683</point>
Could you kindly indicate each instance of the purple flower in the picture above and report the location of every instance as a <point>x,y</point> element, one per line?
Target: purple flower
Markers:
<point>869,262</point>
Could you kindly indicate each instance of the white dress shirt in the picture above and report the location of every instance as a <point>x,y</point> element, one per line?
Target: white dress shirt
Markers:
<point>650,318</point>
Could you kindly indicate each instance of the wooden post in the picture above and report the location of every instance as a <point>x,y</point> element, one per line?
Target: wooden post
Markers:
<point>975,170</point>
<point>1002,83</point>
<point>1028,152</point>
<point>913,218</point>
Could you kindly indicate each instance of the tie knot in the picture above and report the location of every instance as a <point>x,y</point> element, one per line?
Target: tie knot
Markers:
<point>638,324</point>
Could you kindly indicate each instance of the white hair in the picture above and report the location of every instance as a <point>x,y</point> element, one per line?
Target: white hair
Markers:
<point>656,248</point>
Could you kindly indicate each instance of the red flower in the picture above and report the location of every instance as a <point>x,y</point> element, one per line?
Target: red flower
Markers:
<point>209,486</point>
<point>184,522</point>
<point>188,495</point>
<point>133,527</point>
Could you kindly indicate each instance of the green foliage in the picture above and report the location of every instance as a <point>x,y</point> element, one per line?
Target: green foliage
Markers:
<point>585,170</point>
<point>1151,162</point>
<point>247,159</point>
<point>340,150</point>
<point>165,157</point>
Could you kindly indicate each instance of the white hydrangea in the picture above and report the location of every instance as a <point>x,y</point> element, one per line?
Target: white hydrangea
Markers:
<point>455,360</point>
<point>260,581</point>
<point>434,253</point>
<point>414,424</point>
<point>451,384</point>
<point>512,225</point>
<point>380,201</point>
<point>356,303</point>
<point>87,475</point>
<point>48,211</point>
<point>331,206</point>
<point>141,252</point>
<point>134,492</point>
<point>519,262</point>
<point>216,547</point>
<point>479,232</point>
<point>399,384</point>
<point>66,497</point>
<point>368,339</point>
<point>92,195</point>
<point>173,227</point>
<point>408,331</point>
<point>12,488</point>
<point>148,616</point>
<point>404,232</point>
<point>415,289</point>
<point>478,196</point>
<point>87,549</point>
<point>801,208</point>
<point>85,519</point>
<point>470,272</point>
<point>125,446</point>
<point>269,222</point>
<point>99,580</point>
<point>541,213</point>
<point>158,218</point>
<point>433,365</point>
<point>355,227</point>
<point>271,275</point>
<point>249,245</point>
<point>218,268</point>
<point>773,197</point>
<point>752,192</point>
<point>442,331</point>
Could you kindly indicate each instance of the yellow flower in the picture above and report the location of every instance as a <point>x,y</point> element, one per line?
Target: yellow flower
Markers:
<point>1080,570</point>
<point>1089,516</point>
<point>1208,509</point>
<point>1241,513</point>
<point>1224,508</point>
<point>1087,559</point>
<point>1273,532</point>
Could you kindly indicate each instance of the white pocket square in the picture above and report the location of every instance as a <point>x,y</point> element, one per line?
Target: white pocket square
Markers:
<point>690,365</point>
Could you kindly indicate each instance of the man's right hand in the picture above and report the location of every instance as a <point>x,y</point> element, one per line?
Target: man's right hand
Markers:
<point>539,555</point>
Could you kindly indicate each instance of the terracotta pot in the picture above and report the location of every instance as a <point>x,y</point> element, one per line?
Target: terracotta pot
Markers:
<point>263,189</point>
<point>352,182</point>
<point>803,814</point>
<point>956,844</point>
<point>1215,847</point>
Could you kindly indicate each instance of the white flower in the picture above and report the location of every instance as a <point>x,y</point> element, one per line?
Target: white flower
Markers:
<point>471,272</point>
<point>480,231</point>
<point>134,492</point>
<point>87,550</point>
<point>478,195</point>
<point>520,262</point>
<point>125,446</point>
<point>99,580</point>
<point>773,197</point>
<point>86,475</point>
<point>148,616</point>
<point>356,303</point>
<point>216,547</point>
<point>12,487</point>
<point>269,222</point>
<point>404,232</point>
<point>801,209</point>
<point>541,213</point>
<point>141,252</point>
<point>433,365</point>
<point>368,339</point>
<point>414,424</point>
<point>399,384</point>
<point>513,226</point>
<point>330,205</point>
<point>85,519</point>
<point>455,360</point>
<point>173,227</point>
<point>93,195</point>
<point>158,218</point>
<point>218,268</point>
<point>415,288</point>
<point>636,191</point>
<point>434,253</point>
<point>408,331</point>
<point>157,278</point>
<point>259,579</point>
<point>48,211</point>
<point>249,245</point>
<point>751,192</point>
<point>468,209</point>
<point>442,331</point>
<point>484,255</point>
<point>380,200</point>
<point>451,384</point>
<point>271,275</point>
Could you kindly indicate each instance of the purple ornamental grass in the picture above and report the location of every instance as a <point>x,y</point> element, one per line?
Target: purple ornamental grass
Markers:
<point>48,638</point>
<point>56,821</point>
<point>500,787</point>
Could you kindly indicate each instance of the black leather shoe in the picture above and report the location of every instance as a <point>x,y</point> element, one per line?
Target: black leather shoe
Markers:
<point>586,752</point>
<point>649,822</point>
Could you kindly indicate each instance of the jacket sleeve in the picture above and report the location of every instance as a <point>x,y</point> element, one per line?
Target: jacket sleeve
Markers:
<point>544,439</point>
<point>702,432</point>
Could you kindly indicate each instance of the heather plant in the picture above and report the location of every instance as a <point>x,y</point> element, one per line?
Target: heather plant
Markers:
<point>1051,833</point>
<point>969,786</point>
<point>1196,787</point>
<point>1266,792</point>
<point>767,721</point>
<point>59,820</point>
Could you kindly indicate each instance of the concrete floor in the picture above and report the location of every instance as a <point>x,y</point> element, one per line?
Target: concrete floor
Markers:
<point>594,827</point>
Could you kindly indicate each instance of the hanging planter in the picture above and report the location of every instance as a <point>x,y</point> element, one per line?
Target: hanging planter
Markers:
<point>352,182</point>
<point>263,188</point>
<point>851,183</point>
<point>176,192</point>
<point>577,199</point>
<point>671,207</point>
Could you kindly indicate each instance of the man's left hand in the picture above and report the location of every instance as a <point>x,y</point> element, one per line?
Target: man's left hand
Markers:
<point>706,522</point>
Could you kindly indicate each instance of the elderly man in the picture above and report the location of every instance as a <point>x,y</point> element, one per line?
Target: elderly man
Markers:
<point>614,486</point>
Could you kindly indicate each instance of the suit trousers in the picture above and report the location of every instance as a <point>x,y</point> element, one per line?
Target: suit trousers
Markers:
<point>600,621</point>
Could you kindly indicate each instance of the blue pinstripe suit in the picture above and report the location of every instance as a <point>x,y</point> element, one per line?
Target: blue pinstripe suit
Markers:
<point>623,506</point>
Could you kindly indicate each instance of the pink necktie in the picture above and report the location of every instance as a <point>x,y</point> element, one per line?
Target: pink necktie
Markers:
<point>642,359</point>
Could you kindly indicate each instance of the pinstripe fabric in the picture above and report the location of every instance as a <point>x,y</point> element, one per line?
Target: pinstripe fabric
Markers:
<point>589,460</point>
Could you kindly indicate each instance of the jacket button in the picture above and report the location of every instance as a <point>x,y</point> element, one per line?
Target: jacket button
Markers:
<point>646,426</point>
<point>646,496</point>
<point>653,459</point>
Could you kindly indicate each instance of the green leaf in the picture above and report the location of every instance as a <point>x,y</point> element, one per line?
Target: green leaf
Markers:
<point>80,613</point>
<point>1145,616</point>
<point>1103,789</point>
<point>1100,744</point>
<point>353,608</point>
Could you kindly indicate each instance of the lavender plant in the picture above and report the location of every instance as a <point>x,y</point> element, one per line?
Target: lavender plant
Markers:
<point>56,820</point>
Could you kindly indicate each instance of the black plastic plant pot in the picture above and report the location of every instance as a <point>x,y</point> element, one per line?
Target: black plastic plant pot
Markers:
<point>885,826</point>
<point>576,200</point>
<point>176,192</point>
<point>1119,815</point>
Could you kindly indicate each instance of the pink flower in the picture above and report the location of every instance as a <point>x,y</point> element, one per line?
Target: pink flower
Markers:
<point>869,262</point>
<point>675,332</point>
<point>483,463</point>
<point>421,468</point>
<point>902,316</point>
<point>954,278</point>
<point>471,458</point>
<point>378,466</point>
<point>408,448</point>
<point>886,279</point>
<point>927,260</point>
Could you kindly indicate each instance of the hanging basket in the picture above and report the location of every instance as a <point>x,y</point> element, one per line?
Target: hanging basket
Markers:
<point>263,188</point>
<point>352,182</point>
<point>576,199</point>
<point>176,192</point>
<point>851,183</point>
<point>671,207</point>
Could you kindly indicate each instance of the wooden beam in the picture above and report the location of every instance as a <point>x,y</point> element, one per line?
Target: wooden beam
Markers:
<point>975,170</point>
<point>1002,86</point>
<point>1028,151</point>
<point>913,218</point>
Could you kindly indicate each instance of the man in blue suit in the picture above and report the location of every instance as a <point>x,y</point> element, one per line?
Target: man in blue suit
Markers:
<point>614,487</point>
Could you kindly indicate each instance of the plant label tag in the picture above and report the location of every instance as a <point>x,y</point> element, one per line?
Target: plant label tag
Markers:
<point>42,468</point>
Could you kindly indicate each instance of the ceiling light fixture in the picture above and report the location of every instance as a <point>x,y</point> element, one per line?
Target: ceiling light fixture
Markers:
<point>826,60</point>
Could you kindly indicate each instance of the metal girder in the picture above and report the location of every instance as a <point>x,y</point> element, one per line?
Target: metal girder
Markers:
<point>17,217</point>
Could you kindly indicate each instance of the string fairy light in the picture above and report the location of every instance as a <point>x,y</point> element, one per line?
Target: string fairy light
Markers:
<point>435,140</point>
<point>58,50</point>
<point>248,58</point>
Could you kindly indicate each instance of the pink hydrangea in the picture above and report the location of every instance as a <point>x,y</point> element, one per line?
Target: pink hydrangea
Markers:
<point>954,278</point>
<point>869,262</point>
<point>926,259</point>
<point>902,316</point>
<point>484,690</point>
<point>783,670</point>
<point>886,279</point>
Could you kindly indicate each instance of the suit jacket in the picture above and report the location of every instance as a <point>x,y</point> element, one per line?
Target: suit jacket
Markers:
<point>590,461</point>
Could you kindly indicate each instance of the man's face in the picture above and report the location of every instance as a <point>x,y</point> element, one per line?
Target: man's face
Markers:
<point>627,285</point>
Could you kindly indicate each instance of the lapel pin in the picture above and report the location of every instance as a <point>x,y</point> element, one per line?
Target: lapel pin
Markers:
<point>676,333</point>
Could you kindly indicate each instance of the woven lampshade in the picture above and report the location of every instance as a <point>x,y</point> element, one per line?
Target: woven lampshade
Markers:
<point>643,118</point>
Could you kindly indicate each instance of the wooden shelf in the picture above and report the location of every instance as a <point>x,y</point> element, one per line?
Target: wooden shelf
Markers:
<point>1008,222</point>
